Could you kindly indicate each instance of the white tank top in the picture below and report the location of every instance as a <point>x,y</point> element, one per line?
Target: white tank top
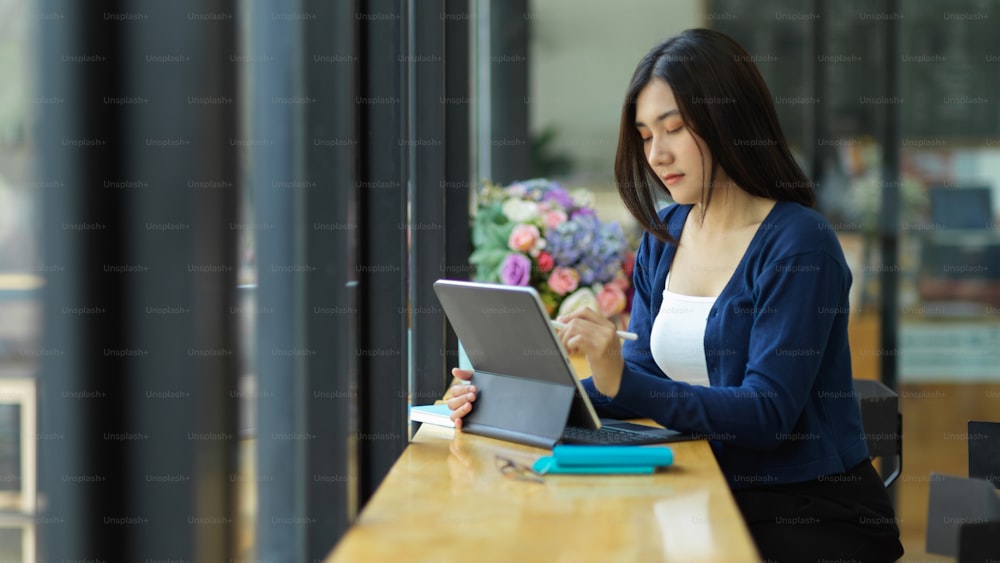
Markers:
<point>677,340</point>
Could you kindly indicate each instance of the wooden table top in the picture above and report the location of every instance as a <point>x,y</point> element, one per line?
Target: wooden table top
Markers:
<point>446,500</point>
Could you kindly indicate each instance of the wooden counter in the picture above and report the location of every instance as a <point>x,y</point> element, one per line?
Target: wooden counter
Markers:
<point>446,500</point>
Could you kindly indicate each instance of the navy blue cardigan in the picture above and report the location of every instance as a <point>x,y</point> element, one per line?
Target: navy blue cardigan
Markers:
<point>781,407</point>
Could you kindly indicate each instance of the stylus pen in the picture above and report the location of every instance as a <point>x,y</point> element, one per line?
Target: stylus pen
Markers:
<point>621,333</point>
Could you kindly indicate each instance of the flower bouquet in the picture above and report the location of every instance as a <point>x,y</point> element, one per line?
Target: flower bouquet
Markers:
<point>536,233</point>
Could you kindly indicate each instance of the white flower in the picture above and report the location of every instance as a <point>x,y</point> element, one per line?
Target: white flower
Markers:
<point>583,198</point>
<point>520,211</point>
<point>579,299</point>
<point>516,190</point>
<point>537,248</point>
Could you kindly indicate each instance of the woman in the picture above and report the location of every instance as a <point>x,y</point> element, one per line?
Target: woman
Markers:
<point>741,307</point>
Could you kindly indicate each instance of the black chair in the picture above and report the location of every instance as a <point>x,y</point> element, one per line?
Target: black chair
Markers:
<point>955,502</point>
<point>984,451</point>
<point>883,423</point>
<point>979,543</point>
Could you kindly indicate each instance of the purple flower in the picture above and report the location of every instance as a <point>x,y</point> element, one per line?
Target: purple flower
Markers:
<point>559,196</point>
<point>596,250</point>
<point>515,270</point>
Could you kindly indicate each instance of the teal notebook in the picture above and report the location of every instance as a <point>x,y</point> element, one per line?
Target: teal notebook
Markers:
<point>614,456</point>
<point>604,460</point>
<point>549,466</point>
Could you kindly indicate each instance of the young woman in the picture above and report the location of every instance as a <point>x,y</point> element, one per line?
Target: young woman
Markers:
<point>741,307</point>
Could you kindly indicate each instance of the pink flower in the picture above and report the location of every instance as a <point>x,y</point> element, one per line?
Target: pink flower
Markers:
<point>563,280</point>
<point>545,262</point>
<point>554,218</point>
<point>611,300</point>
<point>619,281</point>
<point>523,237</point>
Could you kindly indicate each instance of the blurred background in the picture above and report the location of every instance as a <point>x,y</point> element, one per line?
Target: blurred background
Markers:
<point>219,222</point>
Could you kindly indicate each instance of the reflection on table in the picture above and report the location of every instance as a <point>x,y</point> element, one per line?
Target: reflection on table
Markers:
<point>447,499</point>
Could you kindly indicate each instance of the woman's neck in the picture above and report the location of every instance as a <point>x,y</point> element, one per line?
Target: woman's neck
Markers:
<point>732,208</point>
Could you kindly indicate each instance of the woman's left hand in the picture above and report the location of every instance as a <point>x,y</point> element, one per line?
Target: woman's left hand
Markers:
<point>593,335</point>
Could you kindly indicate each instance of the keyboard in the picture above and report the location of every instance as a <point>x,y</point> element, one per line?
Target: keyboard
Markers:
<point>621,433</point>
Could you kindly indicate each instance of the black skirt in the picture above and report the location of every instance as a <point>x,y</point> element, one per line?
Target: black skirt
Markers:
<point>845,517</point>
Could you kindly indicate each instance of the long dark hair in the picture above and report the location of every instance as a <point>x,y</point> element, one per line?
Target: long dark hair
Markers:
<point>722,99</point>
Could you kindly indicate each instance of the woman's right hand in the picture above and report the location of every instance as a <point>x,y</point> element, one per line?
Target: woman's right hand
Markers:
<point>462,396</point>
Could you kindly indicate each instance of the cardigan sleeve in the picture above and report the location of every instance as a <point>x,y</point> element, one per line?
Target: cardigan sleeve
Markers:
<point>787,342</point>
<point>605,407</point>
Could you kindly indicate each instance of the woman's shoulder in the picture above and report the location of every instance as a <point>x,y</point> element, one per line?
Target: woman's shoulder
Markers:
<point>794,228</point>
<point>797,234</point>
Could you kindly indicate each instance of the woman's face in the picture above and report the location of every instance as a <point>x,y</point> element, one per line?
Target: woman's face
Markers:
<point>671,148</point>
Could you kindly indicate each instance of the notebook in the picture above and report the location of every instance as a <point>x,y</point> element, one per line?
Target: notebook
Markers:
<point>604,460</point>
<point>438,415</point>
<point>527,391</point>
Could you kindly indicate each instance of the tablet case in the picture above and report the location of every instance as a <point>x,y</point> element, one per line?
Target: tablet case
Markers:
<point>504,333</point>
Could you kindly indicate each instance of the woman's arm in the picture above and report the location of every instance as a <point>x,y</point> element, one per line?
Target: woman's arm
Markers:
<point>786,347</point>
<point>609,345</point>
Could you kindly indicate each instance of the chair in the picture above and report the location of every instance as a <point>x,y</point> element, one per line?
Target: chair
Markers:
<point>984,451</point>
<point>954,503</point>
<point>979,543</point>
<point>882,423</point>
